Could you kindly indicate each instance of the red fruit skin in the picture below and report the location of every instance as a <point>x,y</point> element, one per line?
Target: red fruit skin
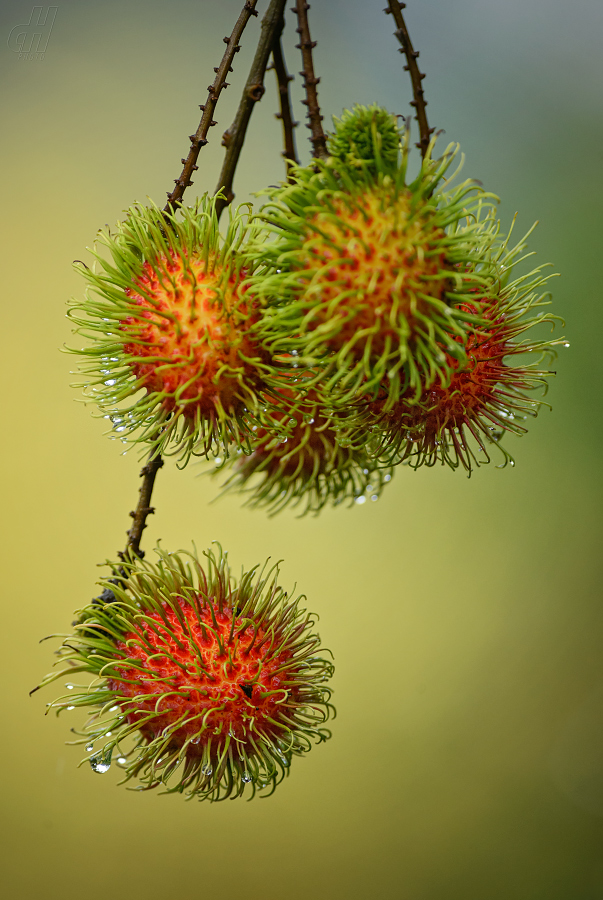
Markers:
<point>214,674</point>
<point>190,340</point>
<point>481,393</point>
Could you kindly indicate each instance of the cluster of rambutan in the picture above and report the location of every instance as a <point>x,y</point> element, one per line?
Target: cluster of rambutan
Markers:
<point>362,320</point>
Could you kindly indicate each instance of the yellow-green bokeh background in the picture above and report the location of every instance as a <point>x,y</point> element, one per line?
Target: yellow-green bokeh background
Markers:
<point>465,616</point>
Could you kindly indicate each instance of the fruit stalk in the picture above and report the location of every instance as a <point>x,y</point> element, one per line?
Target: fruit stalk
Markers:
<point>199,138</point>
<point>234,137</point>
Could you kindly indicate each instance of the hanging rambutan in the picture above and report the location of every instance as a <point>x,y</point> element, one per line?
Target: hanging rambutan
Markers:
<point>171,359</point>
<point>368,277</point>
<point>311,465</point>
<point>201,685</point>
<point>459,421</point>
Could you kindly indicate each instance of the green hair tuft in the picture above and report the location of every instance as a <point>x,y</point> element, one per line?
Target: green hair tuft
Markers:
<point>366,139</point>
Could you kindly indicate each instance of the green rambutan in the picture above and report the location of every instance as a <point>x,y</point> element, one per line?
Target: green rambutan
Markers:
<point>368,277</point>
<point>171,359</point>
<point>201,685</point>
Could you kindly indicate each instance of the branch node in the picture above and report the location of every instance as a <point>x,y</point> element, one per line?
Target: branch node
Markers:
<point>256,91</point>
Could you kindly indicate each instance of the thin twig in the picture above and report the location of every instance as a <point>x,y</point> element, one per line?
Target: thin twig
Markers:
<point>306,45</point>
<point>283,78</point>
<point>143,509</point>
<point>199,138</point>
<point>253,91</point>
<point>419,102</point>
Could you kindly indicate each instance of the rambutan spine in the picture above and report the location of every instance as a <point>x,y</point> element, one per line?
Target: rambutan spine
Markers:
<point>202,685</point>
<point>459,421</point>
<point>367,277</point>
<point>311,463</point>
<point>169,315</point>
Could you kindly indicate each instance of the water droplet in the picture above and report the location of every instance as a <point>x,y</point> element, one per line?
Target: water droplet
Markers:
<point>206,770</point>
<point>375,497</point>
<point>360,500</point>
<point>218,460</point>
<point>365,471</point>
<point>101,762</point>
<point>387,478</point>
<point>122,760</point>
<point>111,382</point>
<point>69,687</point>
<point>369,488</point>
<point>109,733</point>
<point>566,344</point>
<point>246,777</point>
<point>196,740</point>
<point>114,709</point>
<point>71,707</point>
<point>89,748</point>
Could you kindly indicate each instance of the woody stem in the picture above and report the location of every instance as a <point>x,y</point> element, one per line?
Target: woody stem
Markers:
<point>419,102</point>
<point>199,138</point>
<point>306,45</point>
<point>253,92</point>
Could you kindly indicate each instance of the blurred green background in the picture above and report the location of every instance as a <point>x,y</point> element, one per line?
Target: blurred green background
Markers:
<point>464,615</point>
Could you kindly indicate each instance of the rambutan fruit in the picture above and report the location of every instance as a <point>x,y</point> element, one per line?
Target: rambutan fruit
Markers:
<point>171,359</point>
<point>310,465</point>
<point>368,277</point>
<point>488,395</point>
<point>201,685</point>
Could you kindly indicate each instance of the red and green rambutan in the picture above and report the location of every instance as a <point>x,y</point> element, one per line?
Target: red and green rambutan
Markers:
<point>171,359</point>
<point>201,684</point>
<point>367,277</point>
<point>459,421</point>
<point>308,465</point>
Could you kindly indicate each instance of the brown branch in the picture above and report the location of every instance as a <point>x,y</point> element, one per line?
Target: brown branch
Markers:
<point>253,91</point>
<point>143,509</point>
<point>199,138</point>
<point>283,78</point>
<point>306,45</point>
<point>419,102</point>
